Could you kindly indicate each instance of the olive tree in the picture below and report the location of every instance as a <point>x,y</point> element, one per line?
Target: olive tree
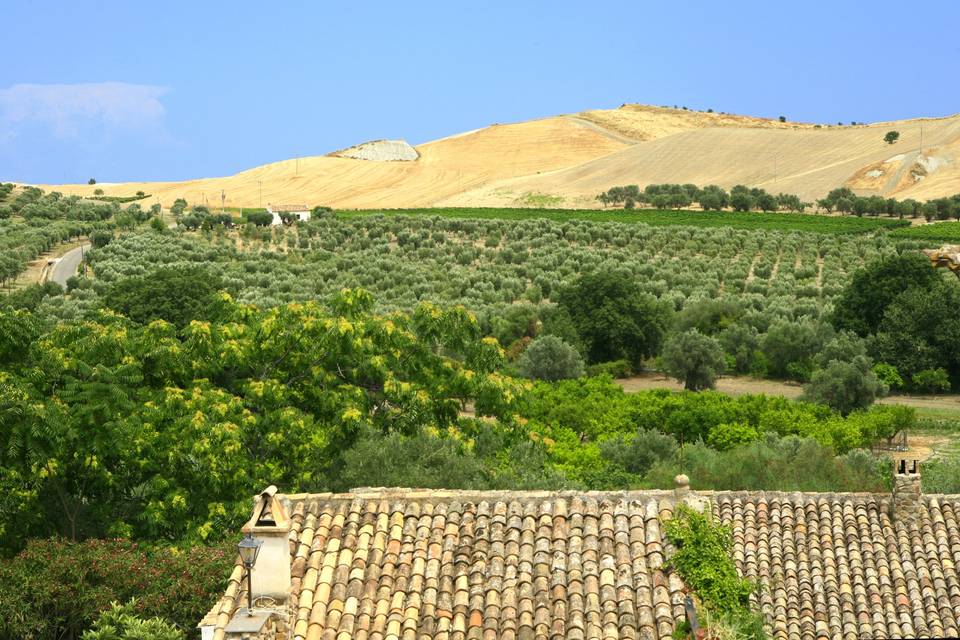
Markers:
<point>845,386</point>
<point>694,359</point>
<point>550,358</point>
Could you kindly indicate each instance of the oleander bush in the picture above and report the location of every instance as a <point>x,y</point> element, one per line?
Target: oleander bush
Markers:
<point>55,588</point>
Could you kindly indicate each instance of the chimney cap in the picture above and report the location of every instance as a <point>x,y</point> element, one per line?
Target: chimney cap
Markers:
<point>907,466</point>
<point>268,513</point>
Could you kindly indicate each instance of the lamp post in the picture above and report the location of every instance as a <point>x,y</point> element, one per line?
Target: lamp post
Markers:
<point>249,547</point>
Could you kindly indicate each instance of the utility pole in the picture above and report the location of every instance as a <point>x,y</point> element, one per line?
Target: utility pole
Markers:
<point>260,195</point>
<point>921,138</point>
<point>223,201</point>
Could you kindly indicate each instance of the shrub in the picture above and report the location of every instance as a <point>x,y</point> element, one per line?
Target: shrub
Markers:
<point>639,453</point>
<point>614,369</point>
<point>55,589</point>
<point>729,435</point>
<point>703,558</point>
<point>888,375</point>
<point>121,623</point>
<point>421,460</point>
<point>694,359</point>
<point>941,475</point>
<point>891,137</point>
<point>931,380</point>
<point>550,358</point>
<point>791,463</point>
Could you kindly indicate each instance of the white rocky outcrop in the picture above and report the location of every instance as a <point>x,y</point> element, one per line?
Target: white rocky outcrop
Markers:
<point>380,151</point>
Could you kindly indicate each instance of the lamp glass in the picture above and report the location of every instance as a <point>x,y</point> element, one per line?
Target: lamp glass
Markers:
<point>249,547</point>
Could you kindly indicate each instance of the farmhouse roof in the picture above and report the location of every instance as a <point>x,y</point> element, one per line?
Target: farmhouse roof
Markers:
<point>288,208</point>
<point>432,564</point>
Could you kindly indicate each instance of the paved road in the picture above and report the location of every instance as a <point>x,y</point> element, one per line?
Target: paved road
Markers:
<point>67,265</point>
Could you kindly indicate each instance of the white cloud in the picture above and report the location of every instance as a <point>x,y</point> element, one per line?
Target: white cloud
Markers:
<point>70,111</point>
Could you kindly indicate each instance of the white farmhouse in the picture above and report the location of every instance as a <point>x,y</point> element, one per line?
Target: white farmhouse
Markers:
<point>301,211</point>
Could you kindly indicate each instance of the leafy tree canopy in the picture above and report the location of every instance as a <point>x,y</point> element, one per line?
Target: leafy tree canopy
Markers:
<point>694,359</point>
<point>109,427</point>
<point>864,301</point>
<point>175,294</point>
<point>614,318</point>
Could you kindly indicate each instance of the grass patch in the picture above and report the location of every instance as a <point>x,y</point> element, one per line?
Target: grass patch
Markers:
<point>539,200</point>
<point>738,220</point>
<point>943,231</point>
<point>117,199</point>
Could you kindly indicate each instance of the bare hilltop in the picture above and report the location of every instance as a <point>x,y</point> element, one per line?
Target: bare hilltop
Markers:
<point>568,159</point>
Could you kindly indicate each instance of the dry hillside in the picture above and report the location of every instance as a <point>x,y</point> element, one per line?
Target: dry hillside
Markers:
<point>578,155</point>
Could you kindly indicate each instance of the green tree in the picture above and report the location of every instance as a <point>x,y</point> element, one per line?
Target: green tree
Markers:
<point>100,238</point>
<point>920,330</point>
<point>861,305</point>
<point>550,358</point>
<point>891,137</point>
<point>115,428</point>
<point>741,201</point>
<point>845,386</point>
<point>790,347</point>
<point>694,359</point>
<point>175,294</point>
<point>92,181</point>
<point>614,319</point>
<point>178,207</point>
<point>259,218</point>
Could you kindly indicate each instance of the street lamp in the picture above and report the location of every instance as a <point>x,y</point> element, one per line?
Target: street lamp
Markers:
<point>249,547</point>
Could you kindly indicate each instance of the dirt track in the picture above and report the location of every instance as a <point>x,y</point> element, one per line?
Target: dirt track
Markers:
<point>739,385</point>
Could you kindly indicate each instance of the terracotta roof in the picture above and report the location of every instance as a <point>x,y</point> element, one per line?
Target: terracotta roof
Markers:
<point>838,566</point>
<point>424,564</point>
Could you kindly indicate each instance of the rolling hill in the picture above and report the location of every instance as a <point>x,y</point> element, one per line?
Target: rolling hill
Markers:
<point>576,156</point>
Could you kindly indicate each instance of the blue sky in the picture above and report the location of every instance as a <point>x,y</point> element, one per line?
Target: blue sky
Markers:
<point>175,90</point>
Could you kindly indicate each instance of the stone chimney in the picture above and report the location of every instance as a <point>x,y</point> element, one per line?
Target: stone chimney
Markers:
<point>270,524</point>
<point>906,502</point>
